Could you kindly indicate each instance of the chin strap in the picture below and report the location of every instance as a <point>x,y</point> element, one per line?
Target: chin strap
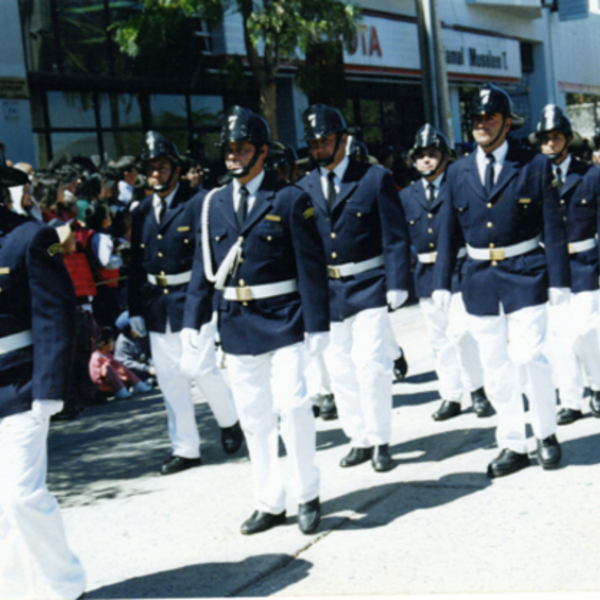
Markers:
<point>499,133</point>
<point>324,162</point>
<point>237,173</point>
<point>163,187</point>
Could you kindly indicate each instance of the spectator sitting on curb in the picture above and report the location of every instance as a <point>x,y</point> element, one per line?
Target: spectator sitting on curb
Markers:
<point>109,374</point>
<point>134,351</point>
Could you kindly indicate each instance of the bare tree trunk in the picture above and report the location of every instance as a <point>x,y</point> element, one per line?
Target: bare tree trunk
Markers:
<point>268,105</point>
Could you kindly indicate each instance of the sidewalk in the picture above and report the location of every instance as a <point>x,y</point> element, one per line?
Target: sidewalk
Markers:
<point>434,524</point>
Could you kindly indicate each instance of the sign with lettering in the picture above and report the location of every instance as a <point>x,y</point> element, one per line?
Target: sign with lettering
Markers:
<point>391,45</point>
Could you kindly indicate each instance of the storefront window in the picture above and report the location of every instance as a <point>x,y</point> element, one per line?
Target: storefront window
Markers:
<point>121,143</point>
<point>120,110</point>
<point>75,144</point>
<point>206,110</point>
<point>168,111</point>
<point>82,36</point>
<point>71,109</point>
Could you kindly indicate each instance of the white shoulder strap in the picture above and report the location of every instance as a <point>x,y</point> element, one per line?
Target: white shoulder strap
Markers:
<point>230,263</point>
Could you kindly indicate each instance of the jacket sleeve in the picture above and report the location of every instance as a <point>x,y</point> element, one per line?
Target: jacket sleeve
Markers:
<point>137,274</point>
<point>449,240</point>
<point>555,235</point>
<point>199,298</point>
<point>52,316</point>
<point>309,253</point>
<point>396,239</point>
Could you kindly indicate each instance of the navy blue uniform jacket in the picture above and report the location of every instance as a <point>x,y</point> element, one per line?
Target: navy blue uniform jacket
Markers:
<point>281,242</point>
<point>424,220</point>
<point>579,206</point>
<point>36,293</point>
<point>367,221</point>
<point>523,204</point>
<point>167,249</point>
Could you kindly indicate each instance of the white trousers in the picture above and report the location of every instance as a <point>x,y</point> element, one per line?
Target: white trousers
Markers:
<point>177,392</point>
<point>317,378</point>
<point>35,559</point>
<point>574,346</point>
<point>510,347</point>
<point>267,389</point>
<point>455,350</point>
<point>360,366</point>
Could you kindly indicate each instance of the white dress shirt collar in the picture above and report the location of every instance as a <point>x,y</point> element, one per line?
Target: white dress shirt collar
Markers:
<point>564,167</point>
<point>436,182</point>
<point>252,186</point>
<point>499,158</point>
<point>156,199</point>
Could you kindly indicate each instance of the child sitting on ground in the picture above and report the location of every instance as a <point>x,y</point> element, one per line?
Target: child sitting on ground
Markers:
<point>108,374</point>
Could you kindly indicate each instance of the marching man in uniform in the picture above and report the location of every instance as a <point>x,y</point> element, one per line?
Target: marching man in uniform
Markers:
<point>362,225</point>
<point>574,324</point>
<point>502,201</point>
<point>163,242</point>
<point>37,342</point>
<point>262,253</point>
<point>456,355</point>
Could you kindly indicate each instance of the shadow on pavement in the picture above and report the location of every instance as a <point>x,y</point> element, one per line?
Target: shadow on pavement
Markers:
<point>581,451</point>
<point>206,580</point>
<point>383,504</point>
<point>443,445</point>
<point>414,398</point>
<point>427,377</point>
<point>119,441</point>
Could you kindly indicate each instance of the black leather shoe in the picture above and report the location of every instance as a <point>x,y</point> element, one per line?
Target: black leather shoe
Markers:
<point>447,410</point>
<point>566,416</point>
<point>327,408</point>
<point>400,367</point>
<point>232,438</point>
<point>548,452</point>
<point>507,462</point>
<point>382,461</point>
<point>481,404</point>
<point>261,521</point>
<point>309,516</point>
<point>179,463</point>
<point>595,404</point>
<point>356,456</point>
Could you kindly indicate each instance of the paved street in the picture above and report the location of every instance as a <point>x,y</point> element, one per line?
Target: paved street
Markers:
<point>434,524</point>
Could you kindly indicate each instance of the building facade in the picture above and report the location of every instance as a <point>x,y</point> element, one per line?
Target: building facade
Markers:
<point>65,87</point>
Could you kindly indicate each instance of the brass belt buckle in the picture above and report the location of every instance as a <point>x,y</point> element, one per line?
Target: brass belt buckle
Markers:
<point>333,272</point>
<point>433,257</point>
<point>497,254</point>
<point>161,280</point>
<point>243,294</point>
<point>571,248</point>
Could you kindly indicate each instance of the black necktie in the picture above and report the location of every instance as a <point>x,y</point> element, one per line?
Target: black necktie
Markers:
<point>559,180</point>
<point>431,192</point>
<point>162,210</point>
<point>331,193</point>
<point>489,174</point>
<point>242,208</point>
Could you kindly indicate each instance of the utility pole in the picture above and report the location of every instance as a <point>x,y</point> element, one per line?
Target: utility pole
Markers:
<point>433,67</point>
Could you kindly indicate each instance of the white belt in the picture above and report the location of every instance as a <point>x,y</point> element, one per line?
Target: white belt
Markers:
<point>582,246</point>
<point>429,258</point>
<point>503,253</point>
<point>167,280</point>
<point>16,341</point>
<point>259,292</point>
<point>348,269</point>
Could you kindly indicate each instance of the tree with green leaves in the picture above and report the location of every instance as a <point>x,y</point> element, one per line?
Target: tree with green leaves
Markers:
<point>275,32</point>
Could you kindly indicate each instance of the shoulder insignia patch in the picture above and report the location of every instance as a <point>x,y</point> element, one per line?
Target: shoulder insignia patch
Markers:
<point>55,249</point>
<point>184,228</point>
<point>309,212</point>
<point>275,218</point>
<point>4,270</point>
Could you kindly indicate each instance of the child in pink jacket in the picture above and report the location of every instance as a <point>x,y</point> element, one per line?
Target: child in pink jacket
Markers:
<point>108,374</point>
